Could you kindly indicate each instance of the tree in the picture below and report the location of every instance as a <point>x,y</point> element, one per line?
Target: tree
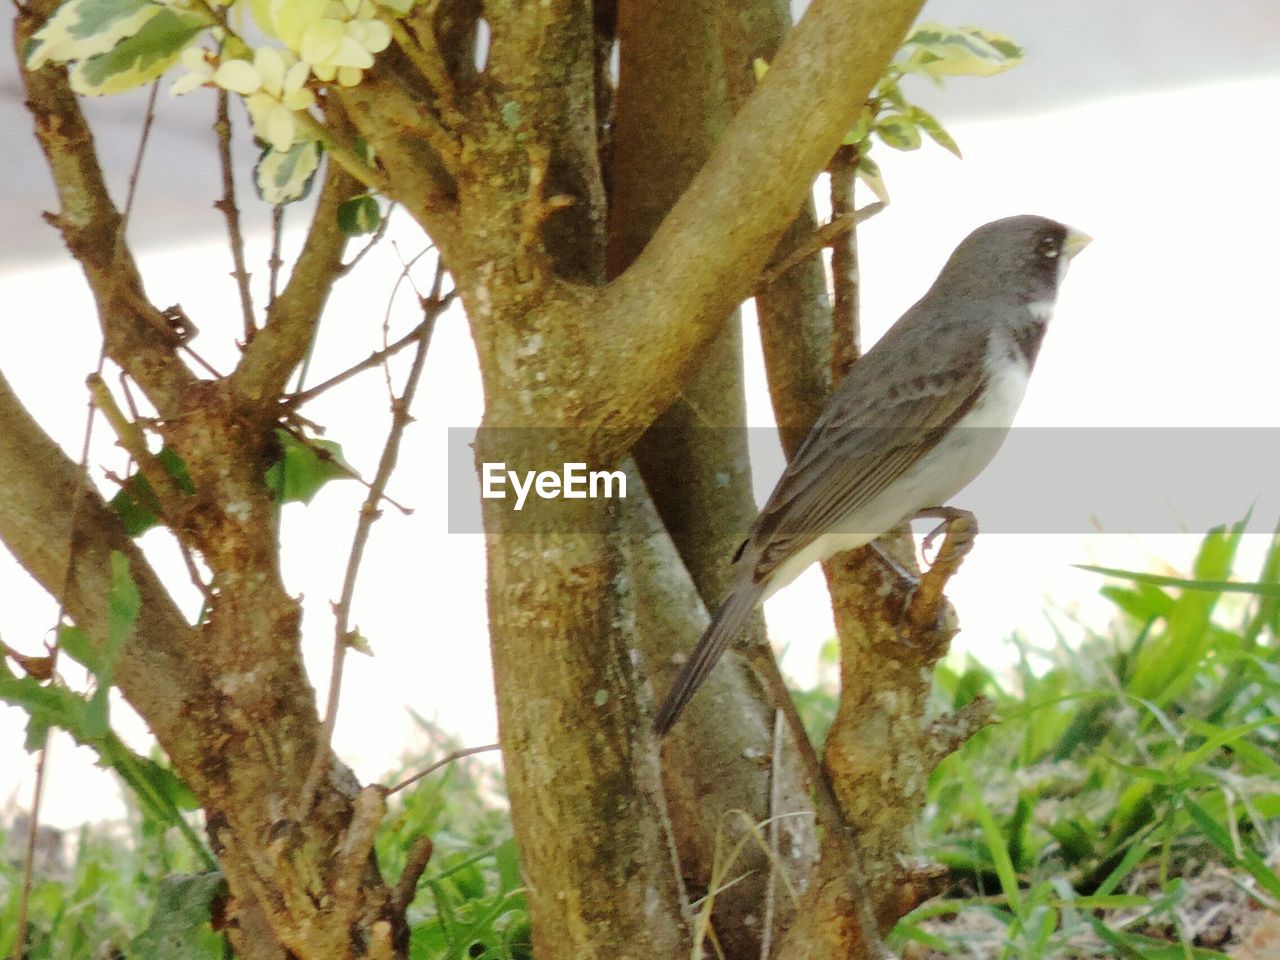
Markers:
<point>599,236</point>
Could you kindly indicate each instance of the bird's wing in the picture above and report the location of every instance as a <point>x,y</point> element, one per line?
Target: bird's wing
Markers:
<point>871,432</point>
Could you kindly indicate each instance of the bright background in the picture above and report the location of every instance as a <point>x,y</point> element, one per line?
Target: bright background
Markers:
<point>1148,124</point>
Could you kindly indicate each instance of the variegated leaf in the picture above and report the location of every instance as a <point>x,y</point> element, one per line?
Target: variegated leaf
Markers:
<point>940,51</point>
<point>286,176</point>
<point>898,131</point>
<point>80,29</point>
<point>141,57</point>
<point>930,125</point>
<point>869,173</point>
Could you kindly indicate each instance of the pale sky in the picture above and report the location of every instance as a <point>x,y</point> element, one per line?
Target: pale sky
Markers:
<point>1169,319</point>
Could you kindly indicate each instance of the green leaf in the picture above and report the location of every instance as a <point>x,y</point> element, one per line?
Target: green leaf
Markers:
<point>1217,834</point>
<point>1216,738</point>
<point>180,927</point>
<point>80,29</point>
<point>869,173</point>
<point>940,51</point>
<point>861,127</point>
<point>888,91</point>
<point>123,605</point>
<point>898,131</point>
<point>141,57</point>
<point>136,505</point>
<point>1145,603</point>
<point>930,125</point>
<point>1169,662</point>
<point>75,643</point>
<point>1268,590</point>
<point>283,177</point>
<point>996,845</point>
<point>359,215</point>
<point>305,467</point>
<point>136,502</point>
<point>45,705</point>
<point>160,793</point>
<point>1076,839</point>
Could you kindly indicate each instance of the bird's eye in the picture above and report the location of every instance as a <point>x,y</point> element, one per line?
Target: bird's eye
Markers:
<point>1048,246</point>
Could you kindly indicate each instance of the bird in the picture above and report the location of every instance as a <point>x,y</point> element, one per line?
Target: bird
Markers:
<point>918,417</point>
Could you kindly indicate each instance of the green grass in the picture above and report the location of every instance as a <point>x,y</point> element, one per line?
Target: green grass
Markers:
<point>1132,783</point>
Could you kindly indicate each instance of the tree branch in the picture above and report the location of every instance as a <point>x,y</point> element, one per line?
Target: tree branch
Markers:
<point>137,336</point>
<point>654,321</point>
<point>827,235</point>
<point>37,486</point>
<point>846,314</point>
<point>292,317</point>
<point>227,205</point>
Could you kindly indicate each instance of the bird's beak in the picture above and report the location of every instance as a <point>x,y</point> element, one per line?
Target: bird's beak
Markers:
<point>1076,241</point>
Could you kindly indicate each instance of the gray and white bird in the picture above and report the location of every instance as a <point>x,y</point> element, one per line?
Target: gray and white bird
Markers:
<point>917,418</point>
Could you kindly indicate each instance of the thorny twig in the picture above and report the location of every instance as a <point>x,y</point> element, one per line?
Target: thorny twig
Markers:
<point>775,827</point>
<point>37,793</point>
<point>368,363</point>
<point>344,154</point>
<point>222,127</point>
<point>205,364</point>
<point>447,759</point>
<point>134,442</point>
<point>276,261</point>
<point>820,239</point>
<point>374,240</point>
<point>405,277</point>
<point>433,306</point>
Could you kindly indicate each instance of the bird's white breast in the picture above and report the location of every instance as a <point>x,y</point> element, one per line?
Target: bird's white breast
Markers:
<point>944,471</point>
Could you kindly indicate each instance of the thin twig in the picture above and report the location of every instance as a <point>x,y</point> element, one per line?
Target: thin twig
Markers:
<point>443,761</point>
<point>134,441</point>
<point>369,512</point>
<point>276,262</point>
<point>820,239</point>
<point>775,845</point>
<point>37,793</point>
<point>208,367</point>
<point>374,240</point>
<point>342,153</point>
<point>222,127</point>
<point>405,277</point>
<point>368,363</point>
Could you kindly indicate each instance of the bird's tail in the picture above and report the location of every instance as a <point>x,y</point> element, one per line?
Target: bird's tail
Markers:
<point>725,627</point>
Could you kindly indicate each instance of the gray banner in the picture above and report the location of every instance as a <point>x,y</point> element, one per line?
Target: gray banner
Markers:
<point>1043,480</point>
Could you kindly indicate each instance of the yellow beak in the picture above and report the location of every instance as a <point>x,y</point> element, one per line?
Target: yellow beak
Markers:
<point>1076,241</point>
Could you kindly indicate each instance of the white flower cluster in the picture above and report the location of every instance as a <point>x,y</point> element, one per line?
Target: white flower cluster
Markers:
<point>334,40</point>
